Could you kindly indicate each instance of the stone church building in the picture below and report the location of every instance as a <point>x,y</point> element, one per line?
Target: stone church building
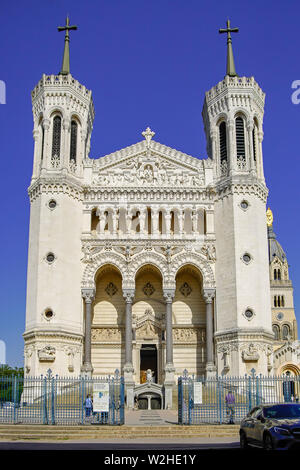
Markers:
<point>149,258</point>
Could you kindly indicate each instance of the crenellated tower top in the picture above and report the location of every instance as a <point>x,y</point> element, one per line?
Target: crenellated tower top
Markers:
<point>233,121</point>
<point>63,114</point>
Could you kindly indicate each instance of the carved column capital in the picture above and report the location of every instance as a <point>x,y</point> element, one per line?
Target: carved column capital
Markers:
<point>46,124</point>
<point>128,295</point>
<point>208,295</point>
<point>169,295</point>
<point>88,295</point>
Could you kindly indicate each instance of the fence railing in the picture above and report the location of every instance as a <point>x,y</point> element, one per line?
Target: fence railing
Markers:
<point>222,399</point>
<point>62,400</point>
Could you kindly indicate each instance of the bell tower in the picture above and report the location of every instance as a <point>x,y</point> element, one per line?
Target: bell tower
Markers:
<point>233,121</point>
<point>63,114</point>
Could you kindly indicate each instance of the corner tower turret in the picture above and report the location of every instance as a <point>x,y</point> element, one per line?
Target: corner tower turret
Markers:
<point>63,114</point>
<point>233,116</point>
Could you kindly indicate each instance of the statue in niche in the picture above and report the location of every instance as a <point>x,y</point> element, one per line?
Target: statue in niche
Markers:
<point>149,375</point>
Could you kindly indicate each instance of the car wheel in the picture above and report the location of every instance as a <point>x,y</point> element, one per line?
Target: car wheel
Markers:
<point>243,441</point>
<point>268,442</point>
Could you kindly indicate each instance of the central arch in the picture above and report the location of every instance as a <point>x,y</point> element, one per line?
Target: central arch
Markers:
<point>148,312</point>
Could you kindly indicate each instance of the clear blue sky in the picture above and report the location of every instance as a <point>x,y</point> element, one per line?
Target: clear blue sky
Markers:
<point>148,63</point>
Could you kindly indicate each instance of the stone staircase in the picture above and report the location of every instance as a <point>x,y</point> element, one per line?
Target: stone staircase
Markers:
<point>90,432</point>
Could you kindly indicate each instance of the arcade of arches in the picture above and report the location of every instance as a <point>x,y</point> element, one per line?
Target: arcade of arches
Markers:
<point>150,327</point>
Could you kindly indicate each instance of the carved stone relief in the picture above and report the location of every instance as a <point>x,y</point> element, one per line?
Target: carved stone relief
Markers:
<point>106,334</point>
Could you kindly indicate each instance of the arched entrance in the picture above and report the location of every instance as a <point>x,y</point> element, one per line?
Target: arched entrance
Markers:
<point>189,321</point>
<point>107,334</point>
<point>148,311</point>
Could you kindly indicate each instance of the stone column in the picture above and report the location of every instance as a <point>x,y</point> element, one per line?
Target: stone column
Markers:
<point>169,367</point>
<point>260,136</point>
<point>46,162</point>
<point>88,295</point>
<point>250,153</point>
<point>231,148</point>
<point>128,222</point>
<point>209,295</point>
<point>115,215</point>
<point>128,295</point>
<point>65,143</point>
<point>142,218</point>
<point>194,216</point>
<point>155,214</point>
<point>180,216</point>
<point>168,221</point>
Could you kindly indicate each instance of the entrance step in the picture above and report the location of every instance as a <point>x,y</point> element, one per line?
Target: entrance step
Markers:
<point>150,417</point>
<point>21,432</point>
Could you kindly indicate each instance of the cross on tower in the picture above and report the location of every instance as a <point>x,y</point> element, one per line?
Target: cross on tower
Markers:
<point>230,61</point>
<point>65,69</point>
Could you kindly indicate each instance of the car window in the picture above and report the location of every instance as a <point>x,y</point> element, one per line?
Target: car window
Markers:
<point>282,411</point>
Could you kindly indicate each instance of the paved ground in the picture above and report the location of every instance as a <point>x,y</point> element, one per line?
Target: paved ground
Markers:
<point>121,444</point>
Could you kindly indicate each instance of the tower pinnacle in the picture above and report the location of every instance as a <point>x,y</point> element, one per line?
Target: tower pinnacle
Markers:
<point>65,69</point>
<point>230,61</point>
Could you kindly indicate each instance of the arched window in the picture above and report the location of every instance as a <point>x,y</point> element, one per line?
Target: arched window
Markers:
<point>285,331</point>
<point>278,274</point>
<point>276,332</point>
<point>73,143</point>
<point>223,142</point>
<point>240,138</point>
<point>275,274</point>
<point>56,136</point>
<point>282,301</point>
<point>275,301</point>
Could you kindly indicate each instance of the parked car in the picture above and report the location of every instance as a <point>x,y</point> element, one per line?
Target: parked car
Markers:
<point>275,426</point>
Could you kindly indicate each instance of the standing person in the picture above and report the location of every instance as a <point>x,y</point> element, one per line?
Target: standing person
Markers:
<point>230,402</point>
<point>88,404</point>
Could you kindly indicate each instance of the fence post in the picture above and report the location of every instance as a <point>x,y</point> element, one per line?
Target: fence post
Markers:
<point>15,397</point>
<point>190,400</point>
<point>179,400</point>
<point>249,395</point>
<point>122,398</point>
<point>53,401</point>
<point>45,414</point>
<point>219,400</point>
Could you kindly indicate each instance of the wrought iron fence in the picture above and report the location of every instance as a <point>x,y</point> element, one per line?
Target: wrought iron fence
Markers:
<point>222,399</point>
<point>62,400</point>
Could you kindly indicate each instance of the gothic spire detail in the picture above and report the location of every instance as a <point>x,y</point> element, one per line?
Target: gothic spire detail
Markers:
<point>65,69</point>
<point>230,61</point>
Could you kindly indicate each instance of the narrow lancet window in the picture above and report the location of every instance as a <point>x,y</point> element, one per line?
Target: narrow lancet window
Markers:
<point>240,139</point>
<point>223,141</point>
<point>56,138</point>
<point>73,145</point>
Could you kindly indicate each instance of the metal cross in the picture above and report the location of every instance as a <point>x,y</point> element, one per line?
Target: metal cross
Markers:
<point>67,28</point>
<point>230,61</point>
<point>228,31</point>
<point>65,69</point>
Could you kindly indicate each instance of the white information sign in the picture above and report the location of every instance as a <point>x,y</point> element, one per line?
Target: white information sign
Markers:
<point>101,397</point>
<point>197,393</point>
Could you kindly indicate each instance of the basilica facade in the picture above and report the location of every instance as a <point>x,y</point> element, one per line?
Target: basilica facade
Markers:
<point>149,258</point>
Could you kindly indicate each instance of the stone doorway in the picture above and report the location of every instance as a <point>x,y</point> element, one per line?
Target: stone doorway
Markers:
<point>148,360</point>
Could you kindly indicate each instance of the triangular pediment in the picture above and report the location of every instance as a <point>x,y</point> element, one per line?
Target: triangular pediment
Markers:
<point>148,166</point>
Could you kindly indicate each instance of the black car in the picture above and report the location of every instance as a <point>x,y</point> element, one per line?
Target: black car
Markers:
<point>274,426</point>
